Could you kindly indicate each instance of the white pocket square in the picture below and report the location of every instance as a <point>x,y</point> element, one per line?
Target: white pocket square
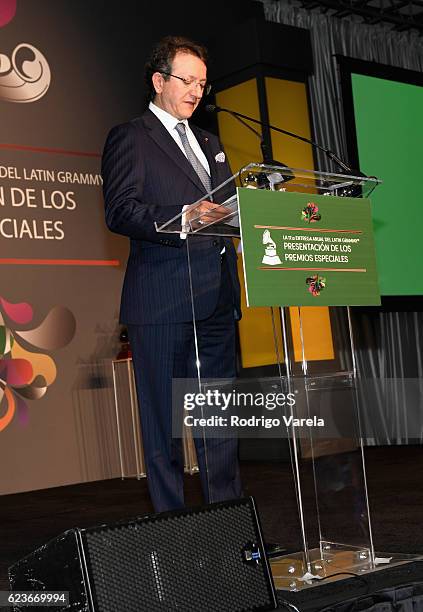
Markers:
<point>220,157</point>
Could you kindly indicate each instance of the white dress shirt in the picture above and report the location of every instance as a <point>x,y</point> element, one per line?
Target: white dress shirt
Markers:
<point>170,122</point>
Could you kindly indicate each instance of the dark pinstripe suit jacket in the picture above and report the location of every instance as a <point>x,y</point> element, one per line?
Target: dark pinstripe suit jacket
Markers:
<point>147,178</point>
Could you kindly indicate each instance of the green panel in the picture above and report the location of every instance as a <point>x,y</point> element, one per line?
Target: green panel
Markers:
<point>389,123</point>
<point>307,250</point>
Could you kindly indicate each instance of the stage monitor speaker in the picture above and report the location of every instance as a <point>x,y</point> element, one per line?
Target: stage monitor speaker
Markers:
<point>205,559</point>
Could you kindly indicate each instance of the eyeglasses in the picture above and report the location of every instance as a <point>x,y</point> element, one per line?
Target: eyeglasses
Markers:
<point>188,81</point>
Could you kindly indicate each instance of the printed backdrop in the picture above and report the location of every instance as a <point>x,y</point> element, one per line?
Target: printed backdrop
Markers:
<point>69,71</point>
<point>61,269</point>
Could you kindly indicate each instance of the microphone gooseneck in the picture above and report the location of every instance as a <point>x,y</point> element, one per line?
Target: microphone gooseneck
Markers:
<point>267,159</point>
<point>212,108</point>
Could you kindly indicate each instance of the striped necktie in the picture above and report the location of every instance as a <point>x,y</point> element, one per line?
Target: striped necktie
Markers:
<point>193,159</point>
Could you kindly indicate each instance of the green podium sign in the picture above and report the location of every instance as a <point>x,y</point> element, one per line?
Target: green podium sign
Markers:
<point>301,249</point>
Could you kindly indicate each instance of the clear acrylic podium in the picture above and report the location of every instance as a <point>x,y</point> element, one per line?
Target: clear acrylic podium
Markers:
<point>333,532</point>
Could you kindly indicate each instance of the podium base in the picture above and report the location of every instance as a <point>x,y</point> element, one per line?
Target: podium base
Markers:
<point>291,572</point>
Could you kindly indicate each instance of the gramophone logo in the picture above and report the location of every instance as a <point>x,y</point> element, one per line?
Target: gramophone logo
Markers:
<point>270,257</point>
<point>24,76</point>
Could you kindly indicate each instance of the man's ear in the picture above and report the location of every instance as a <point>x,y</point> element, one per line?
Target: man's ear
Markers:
<point>157,80</point>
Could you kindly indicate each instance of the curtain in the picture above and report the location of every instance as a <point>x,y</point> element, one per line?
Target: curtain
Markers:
<point>388,344</point>
<point>332,36</point>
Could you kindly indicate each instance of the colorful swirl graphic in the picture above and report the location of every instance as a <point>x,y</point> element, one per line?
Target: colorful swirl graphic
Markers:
<point>26,373</point>
<point>25,77</point>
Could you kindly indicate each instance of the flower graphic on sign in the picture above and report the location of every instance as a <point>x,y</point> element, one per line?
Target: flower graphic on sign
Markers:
<point>310,213</point>
<point>25,372</point>
<point>316,284</point>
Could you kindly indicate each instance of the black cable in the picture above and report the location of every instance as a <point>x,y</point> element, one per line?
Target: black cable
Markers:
<point>360,576</point>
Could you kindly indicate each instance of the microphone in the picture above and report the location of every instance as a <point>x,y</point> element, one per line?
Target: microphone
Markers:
<point>212,108</point>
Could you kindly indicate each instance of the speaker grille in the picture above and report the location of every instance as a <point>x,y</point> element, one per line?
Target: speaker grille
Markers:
<point>188,561</point>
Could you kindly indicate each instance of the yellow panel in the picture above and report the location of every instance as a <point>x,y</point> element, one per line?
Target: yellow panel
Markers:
<point>256,332</point>
<point>288,109</point>
<point>316,331</point>
<point>241,146</point>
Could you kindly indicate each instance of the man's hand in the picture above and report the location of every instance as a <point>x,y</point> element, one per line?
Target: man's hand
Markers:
<point>206,212</point>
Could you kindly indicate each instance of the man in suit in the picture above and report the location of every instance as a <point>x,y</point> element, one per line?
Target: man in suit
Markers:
<point>153,167</point>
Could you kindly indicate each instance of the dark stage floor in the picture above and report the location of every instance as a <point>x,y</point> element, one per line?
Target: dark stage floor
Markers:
<point>394,481</point>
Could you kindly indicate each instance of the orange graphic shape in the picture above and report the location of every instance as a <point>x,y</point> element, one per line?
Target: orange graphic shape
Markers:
<point>11,407</point>
<point>42,365</point>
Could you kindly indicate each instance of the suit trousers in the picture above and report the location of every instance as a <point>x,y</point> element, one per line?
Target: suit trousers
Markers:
<point>161,353</point>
